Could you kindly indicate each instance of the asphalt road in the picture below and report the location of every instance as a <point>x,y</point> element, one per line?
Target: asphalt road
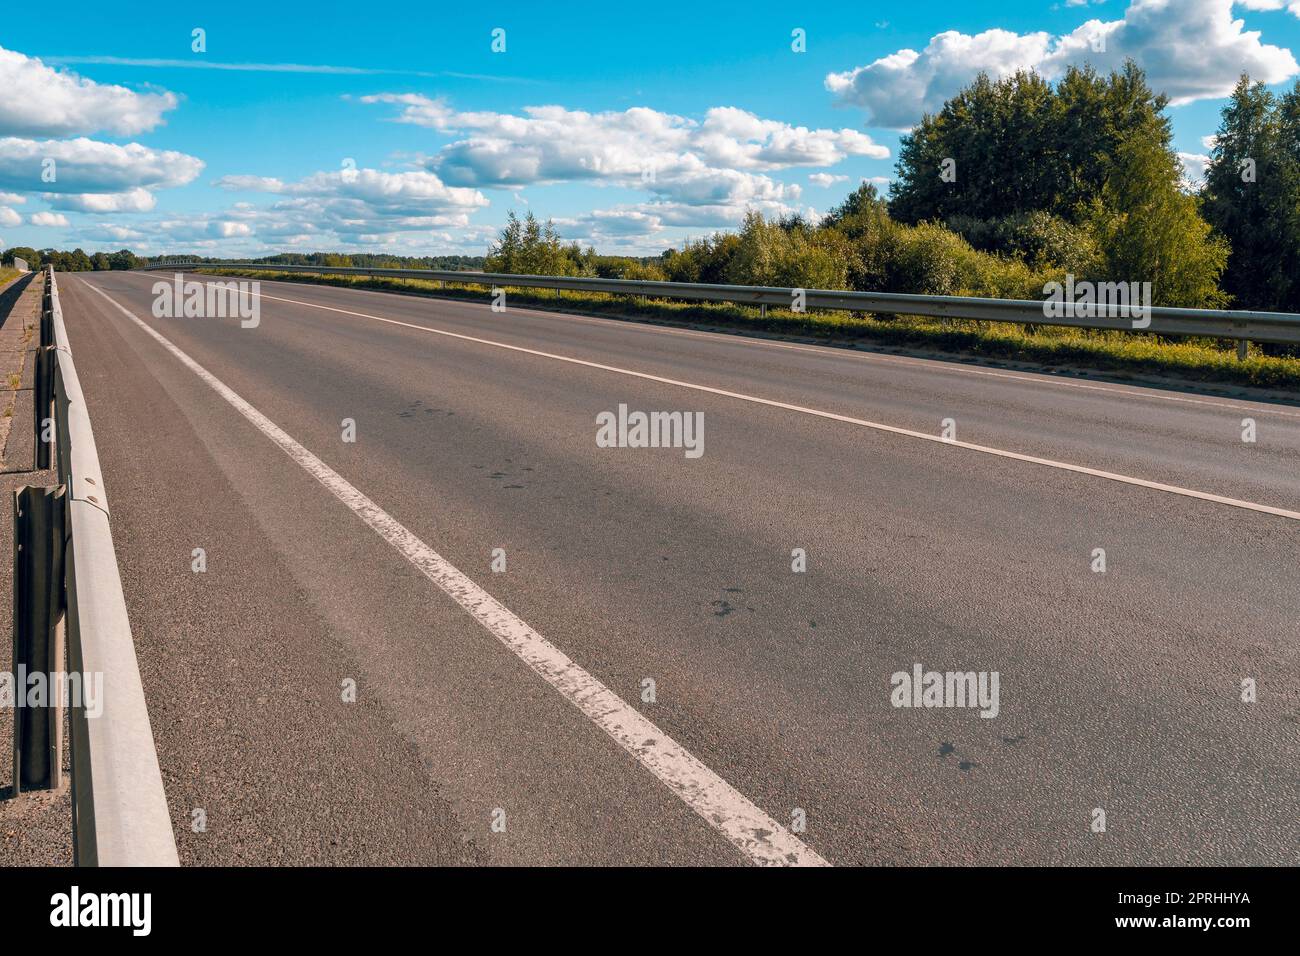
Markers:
<point>1118,691</point>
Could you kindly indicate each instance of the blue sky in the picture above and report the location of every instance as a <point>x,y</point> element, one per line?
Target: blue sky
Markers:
<point>633,126</point>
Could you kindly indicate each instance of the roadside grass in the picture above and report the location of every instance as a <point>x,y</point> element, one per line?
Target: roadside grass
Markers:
<point>7,275</point>
<point>1119,353</point>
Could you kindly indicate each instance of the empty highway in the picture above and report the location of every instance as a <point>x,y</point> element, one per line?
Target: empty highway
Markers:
<point>565,653</point>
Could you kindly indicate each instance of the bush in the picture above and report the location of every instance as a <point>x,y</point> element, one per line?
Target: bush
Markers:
<point>645,271</point>
<point>787,255</point>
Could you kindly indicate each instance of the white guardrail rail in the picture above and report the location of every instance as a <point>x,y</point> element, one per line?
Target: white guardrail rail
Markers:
<point>1242,326</point>
<point>66,585</point>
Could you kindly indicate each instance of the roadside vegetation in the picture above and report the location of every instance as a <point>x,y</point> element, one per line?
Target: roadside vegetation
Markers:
<point>1012,185</point>
<point>1113,353</point>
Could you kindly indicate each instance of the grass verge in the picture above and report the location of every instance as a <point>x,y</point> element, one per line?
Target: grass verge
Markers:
<point>1200,360</point>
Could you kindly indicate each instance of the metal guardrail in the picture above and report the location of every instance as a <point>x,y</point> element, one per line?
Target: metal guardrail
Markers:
<point>1243,326</point>
<point>119,808</point>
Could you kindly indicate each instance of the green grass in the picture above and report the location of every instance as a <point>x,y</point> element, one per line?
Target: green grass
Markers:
<point>1115,353</point>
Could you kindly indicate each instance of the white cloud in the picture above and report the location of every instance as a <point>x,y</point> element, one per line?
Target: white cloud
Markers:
<point>1290,5</point>
<point>40,101</point>
<point>262,184</point>
<point>1191,49</point>
<point>1194,166</point>
<point>603,227</point>
<point>84,165</point>
<point>9,218</point>
<point>105,232</point>
<point>826,180</point>
<point>132,200</point>
<point>355,202</point>
<point>720,161</point>
<point>48,219</point>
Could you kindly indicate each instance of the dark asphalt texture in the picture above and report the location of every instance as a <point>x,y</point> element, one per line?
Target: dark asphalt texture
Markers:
<point>1119,691</point>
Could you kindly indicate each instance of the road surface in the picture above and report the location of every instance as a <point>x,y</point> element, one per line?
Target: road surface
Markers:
<point>500,715</point>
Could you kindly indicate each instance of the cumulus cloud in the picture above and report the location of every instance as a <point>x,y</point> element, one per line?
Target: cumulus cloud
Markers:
<point>85,165</point>
<point>1194,167</point>
<point>611,227</point>
<point>48,219</point>
<point>826,180</point>
<point>1293,6</point>
<point>8,217</point>
<point>41,101</point>
<point>356,201</point>
<point>132,200</point>
<point>1191,49</point>
<point>719,163</point>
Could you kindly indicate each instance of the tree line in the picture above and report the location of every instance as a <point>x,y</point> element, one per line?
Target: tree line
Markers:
<point>75,261</point>
<point>1015,183</point>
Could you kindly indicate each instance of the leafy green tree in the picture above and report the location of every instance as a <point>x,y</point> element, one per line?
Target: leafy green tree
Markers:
<point>529,248</point>
<point>505,254</point>
<point>1149,230</point>
<point>123,259</point>
<point>1252,196</point>
<point>26,253</point>
<point>1003,150</point>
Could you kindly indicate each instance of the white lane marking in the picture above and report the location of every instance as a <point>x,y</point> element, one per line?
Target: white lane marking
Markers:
<point>819,413</point>
<point>753,832</point>
<point>926,365</point>
<point>930,365</point>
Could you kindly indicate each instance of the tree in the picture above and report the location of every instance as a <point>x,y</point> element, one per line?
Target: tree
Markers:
<point>26,253</point>
<point>504,255</point>
<point>1005,149</point>
<point>1252,196</point>
<point>529,248</point>
<point>1149,230</point>
<point>123,259</point>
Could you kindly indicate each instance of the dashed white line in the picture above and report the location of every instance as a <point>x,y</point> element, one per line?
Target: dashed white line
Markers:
<point>731,813</point>
<point>820,413</point>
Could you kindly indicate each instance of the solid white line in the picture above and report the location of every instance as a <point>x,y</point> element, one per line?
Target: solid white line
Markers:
<point>753,832</point>
<point>819,413</point>
<point>870,357</point>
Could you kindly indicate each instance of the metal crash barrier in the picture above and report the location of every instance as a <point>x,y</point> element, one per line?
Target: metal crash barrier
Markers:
<point>67,590</point>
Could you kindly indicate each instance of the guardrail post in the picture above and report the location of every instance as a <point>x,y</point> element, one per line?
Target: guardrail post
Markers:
<point>43,405</point>
<point>43,385</point>
<point>1243,347</point>
<point>39,540</point>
